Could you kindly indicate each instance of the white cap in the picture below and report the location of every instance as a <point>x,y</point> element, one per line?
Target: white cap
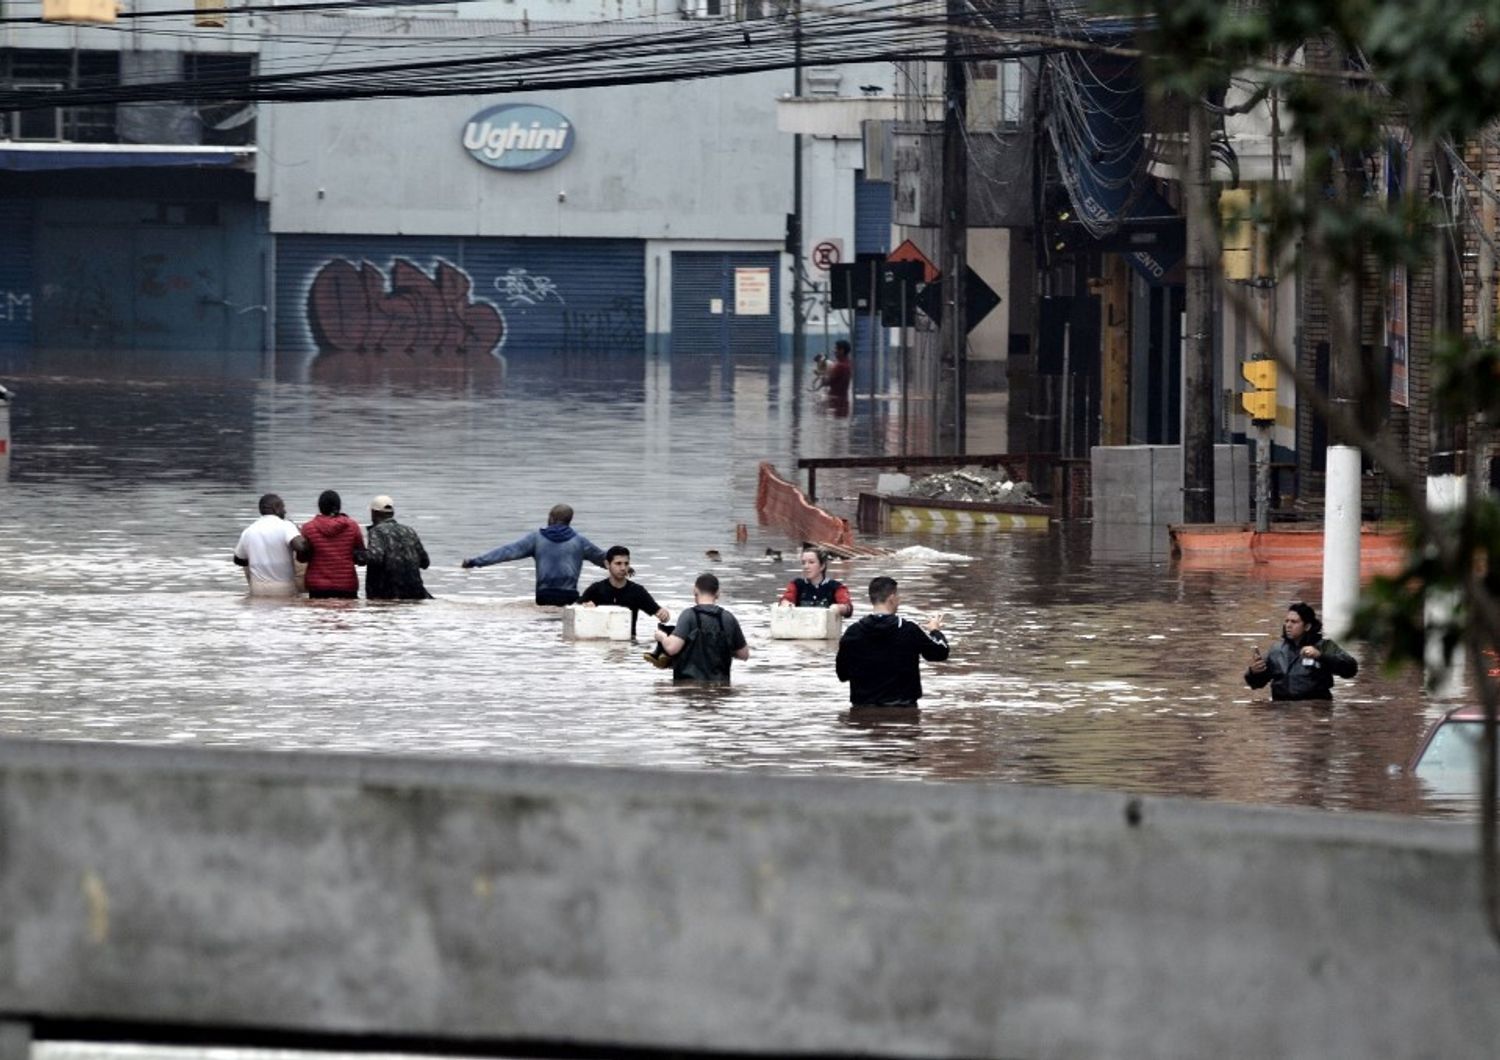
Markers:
<point>382,503</point>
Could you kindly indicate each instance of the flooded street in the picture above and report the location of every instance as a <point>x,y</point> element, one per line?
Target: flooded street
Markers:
<point>124,619</point>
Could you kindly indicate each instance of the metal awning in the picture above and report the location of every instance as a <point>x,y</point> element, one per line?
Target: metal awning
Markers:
<point>30,157</point>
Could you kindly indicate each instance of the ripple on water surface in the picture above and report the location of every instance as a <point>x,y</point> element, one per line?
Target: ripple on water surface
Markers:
<point>124,619</point>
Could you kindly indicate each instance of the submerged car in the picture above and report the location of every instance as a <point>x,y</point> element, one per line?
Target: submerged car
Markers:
<point>1448,759</point>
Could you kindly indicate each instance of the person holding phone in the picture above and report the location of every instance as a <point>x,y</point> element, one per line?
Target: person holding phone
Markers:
<point>1304,663</point>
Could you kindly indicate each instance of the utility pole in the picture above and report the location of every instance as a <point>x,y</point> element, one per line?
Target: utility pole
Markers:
<point>953,243</point>
<point>1197,342</point>
<point>1342,482</point>
<point>1447,485</point>
<point>1345,310</point>
<point>1484,318</point>
<point>794,241</point>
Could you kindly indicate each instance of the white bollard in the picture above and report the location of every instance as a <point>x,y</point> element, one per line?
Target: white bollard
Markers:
<point>1445,493</point>
<point>1341,521</point>
<point>605,622</point>
<point>805,623</point>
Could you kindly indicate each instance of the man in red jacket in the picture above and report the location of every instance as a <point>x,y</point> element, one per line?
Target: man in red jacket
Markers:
<point>337,544</point>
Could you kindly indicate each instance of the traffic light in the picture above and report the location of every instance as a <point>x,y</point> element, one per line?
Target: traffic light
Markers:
<point>1260,403</point>
<point>1238,248</point>
<point>1061,232</point>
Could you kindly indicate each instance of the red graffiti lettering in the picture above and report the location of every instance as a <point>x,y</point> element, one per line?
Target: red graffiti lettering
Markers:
<point>350,310</point>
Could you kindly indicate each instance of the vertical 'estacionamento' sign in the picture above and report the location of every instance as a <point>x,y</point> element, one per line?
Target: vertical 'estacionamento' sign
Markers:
<point>519,136</point>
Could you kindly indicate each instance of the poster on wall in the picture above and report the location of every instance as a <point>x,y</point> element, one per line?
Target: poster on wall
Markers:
<point>1395,335</point>
<point>752,292</point>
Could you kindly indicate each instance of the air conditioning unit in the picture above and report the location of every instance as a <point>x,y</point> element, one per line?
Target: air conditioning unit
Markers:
<point>704,8</point>
<point>81,11</point>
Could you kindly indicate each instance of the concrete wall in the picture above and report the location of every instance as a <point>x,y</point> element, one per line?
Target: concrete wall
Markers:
<point>697,160</point>
<point>495,902</point>
<point>1143,483</point>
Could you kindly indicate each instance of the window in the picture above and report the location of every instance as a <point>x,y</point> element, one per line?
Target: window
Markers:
<point>224,122</point>
<point>1451,762</point>
<point>46,71</point>
<point>42,124</point>
<point>1010,87</point>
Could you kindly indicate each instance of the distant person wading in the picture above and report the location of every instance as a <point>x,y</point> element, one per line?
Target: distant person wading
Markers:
<point>815,588</point>
<point>559,551</point>
<point>880,655</point>
<point>337,545</point>
<point>706,640</point>
<point>268,549</point>
<point>395,556</point>
<point>1304,663</point>
<point>619,591</point>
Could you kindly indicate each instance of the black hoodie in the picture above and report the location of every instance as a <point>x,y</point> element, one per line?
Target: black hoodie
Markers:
<point>879,656</point>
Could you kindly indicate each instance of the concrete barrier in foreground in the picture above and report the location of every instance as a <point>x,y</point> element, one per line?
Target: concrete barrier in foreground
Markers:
<point>468,905</point>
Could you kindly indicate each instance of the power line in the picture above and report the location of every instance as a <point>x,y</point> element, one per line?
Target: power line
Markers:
<point>831,36</point>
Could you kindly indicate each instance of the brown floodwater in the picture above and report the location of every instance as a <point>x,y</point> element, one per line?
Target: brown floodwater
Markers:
<point>1076,660</point>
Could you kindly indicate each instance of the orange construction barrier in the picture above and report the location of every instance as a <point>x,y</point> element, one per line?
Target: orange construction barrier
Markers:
<point>1382,549</point>
<point>780,503</point>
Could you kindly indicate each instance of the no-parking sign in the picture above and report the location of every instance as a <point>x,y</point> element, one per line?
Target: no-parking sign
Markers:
<point>827,253</point>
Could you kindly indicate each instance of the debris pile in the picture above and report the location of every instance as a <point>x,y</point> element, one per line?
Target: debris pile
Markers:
<point>973,484</point>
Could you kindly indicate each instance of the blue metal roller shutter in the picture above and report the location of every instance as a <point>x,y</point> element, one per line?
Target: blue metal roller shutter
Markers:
<point>566,296</point>
<point>551,296</point>
<point>17,276</point>
<point>701,277</point>
<point>697,281</point>
<point>300,259</point>
<point>872,215</point>
<point>872,235</point>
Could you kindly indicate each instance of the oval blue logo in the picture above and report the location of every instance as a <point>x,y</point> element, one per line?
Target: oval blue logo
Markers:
<point>519,136</point>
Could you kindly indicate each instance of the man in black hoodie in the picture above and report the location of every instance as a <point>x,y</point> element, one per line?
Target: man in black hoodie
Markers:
<point>880,654</point>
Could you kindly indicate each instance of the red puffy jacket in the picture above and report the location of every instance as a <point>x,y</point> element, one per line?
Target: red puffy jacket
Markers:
<point>333,539</point>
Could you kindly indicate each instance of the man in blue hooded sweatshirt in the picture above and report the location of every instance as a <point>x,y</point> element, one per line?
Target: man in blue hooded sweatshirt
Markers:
<point>559,551</point>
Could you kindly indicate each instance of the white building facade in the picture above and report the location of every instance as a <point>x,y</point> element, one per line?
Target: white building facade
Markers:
<point>626,219</point>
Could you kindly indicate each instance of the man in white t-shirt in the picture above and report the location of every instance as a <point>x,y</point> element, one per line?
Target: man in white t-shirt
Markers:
<point>267,548</point>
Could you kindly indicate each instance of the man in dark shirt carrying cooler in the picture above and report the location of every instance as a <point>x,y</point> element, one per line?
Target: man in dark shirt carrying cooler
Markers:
<point>620,591</point>
<point>880,655</point>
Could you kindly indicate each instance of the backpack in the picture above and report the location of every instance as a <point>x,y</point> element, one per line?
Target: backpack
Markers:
<point>708,655</point>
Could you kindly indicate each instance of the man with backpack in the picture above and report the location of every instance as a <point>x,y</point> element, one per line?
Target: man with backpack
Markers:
<point>706,639</point>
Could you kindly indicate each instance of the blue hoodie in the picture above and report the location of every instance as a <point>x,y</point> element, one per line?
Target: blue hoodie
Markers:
<point>559,550</point>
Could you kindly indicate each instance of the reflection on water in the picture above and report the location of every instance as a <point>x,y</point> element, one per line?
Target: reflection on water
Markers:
<point>1078,659</point>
